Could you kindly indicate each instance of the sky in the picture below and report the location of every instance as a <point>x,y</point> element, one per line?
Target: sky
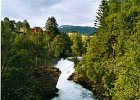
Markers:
<point>66,12</point>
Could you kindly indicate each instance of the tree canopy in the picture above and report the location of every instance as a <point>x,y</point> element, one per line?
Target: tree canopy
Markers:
<point>112,58</point>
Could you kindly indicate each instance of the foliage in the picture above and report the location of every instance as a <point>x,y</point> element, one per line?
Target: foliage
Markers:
<point>23,52</point>
<point>75,29</point>
<point>77,47</point>
<point>113,57</point>
<point>61,45</point>
<point>52,27</point>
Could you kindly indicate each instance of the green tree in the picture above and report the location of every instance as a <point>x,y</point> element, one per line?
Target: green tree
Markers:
<point>60,46</point>
<point>56,46</point>
<point>25,27</point>
<point>52,27</point>
<point>66,45</point>
<point>19,26</point>
<point>8,25</point>
<point>111,62</point>
<point>101,14</point>
<point>22,57</point>
<point>77,47</point>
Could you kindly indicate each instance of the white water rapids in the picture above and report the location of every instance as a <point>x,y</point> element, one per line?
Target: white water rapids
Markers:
<point>69,90</point>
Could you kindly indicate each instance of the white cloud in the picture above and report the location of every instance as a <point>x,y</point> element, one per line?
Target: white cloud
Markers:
<point>73,12</point>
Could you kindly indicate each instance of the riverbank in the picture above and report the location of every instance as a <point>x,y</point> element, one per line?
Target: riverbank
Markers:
<point>47,78</point>
<point>97,88</point>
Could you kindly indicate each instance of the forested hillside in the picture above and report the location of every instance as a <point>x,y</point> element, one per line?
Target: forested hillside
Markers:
<point>80,29</point>
<point>111,65</point>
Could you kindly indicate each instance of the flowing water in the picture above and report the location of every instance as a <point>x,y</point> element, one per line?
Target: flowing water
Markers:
<point>69,90</point>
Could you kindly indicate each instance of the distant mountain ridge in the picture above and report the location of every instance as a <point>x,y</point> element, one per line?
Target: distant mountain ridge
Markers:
<point>81,29</point>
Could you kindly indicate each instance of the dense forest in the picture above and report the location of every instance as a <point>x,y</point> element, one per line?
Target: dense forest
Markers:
<point>27,55</point>
<point>111,65</point>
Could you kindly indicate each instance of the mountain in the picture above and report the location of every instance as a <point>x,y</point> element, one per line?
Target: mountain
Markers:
<point>81,29</point>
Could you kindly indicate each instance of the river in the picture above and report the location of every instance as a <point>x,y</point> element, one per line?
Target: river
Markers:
<point>69,90</point>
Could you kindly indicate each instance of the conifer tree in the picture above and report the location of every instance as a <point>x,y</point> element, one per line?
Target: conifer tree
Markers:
<point>52,27</point>
<point>101,14</point>
<point>112,58</point>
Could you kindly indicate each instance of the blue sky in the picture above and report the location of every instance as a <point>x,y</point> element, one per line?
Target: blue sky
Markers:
<point>66,12</point>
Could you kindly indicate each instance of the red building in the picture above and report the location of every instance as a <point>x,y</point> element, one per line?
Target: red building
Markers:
<point>37,29</point>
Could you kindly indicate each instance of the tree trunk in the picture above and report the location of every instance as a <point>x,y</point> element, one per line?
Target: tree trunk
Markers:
<point>45,61</point>
<point>3,63</point>
<point>36,61</point>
